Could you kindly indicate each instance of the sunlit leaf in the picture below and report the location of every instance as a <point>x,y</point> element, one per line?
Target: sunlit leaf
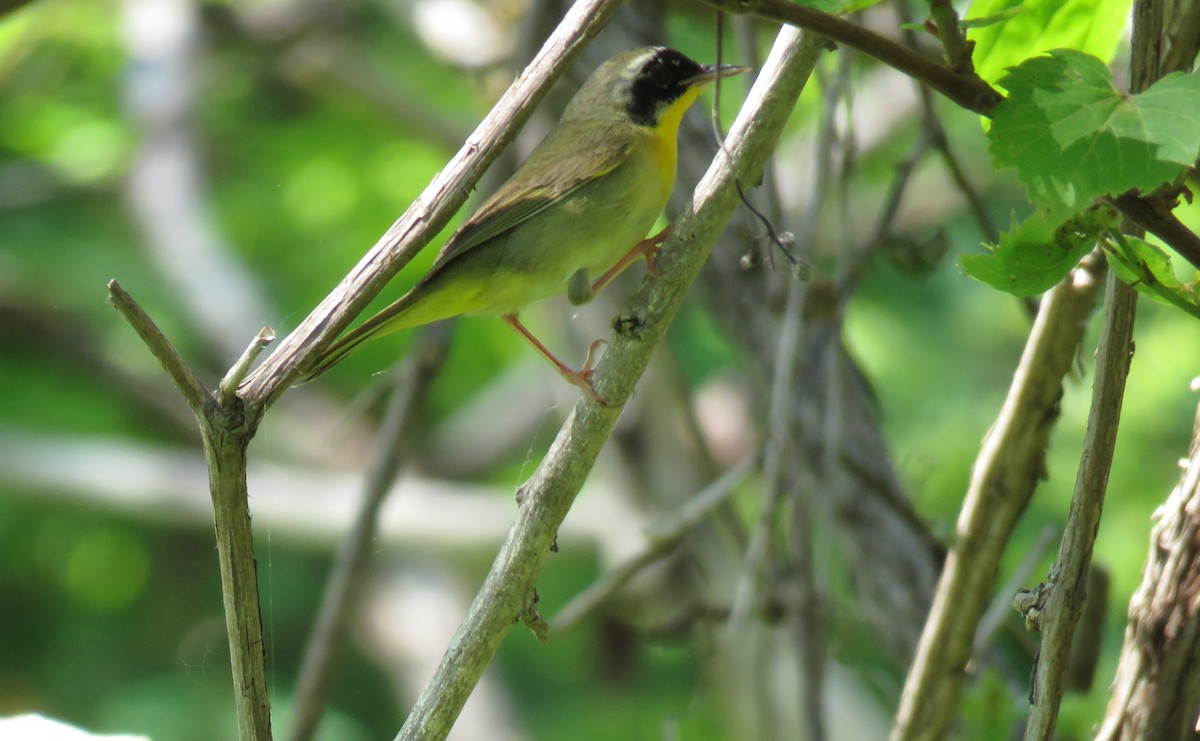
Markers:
<point>1073,137</point>
<point>1092,26</point>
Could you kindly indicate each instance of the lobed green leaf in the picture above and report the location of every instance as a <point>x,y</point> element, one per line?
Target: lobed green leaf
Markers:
<point>1036,253</point>
<point>1072,136</point>
<point>1148,268</point>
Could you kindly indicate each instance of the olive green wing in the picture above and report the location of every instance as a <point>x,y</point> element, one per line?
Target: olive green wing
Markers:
<point>562,163</point>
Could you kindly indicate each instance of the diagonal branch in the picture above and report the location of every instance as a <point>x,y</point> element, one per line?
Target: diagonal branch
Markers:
<point>172,362</point>
<point>508,592</point>
<point>1068,577</point>
<point>967,89</point>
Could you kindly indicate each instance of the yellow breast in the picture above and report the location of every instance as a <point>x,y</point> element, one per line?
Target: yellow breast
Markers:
<point>666,135</point>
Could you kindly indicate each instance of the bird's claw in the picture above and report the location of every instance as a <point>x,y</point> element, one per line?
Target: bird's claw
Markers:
<point>583,377</point>
<point>652,246</point>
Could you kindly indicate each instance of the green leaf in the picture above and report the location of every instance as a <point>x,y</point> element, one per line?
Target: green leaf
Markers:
<point>1073,137</point>
<point>1092,26</point>
<point>1034,254</point>
<point>1147,267</point>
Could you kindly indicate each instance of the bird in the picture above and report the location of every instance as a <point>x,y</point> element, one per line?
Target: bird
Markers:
<point>573,215</point>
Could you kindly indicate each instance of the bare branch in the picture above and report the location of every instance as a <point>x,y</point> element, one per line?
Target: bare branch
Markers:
<point>958,50</point>
<point>967,89</point>
<point>161,348</point>
<point>225,450</point>
<point>227,388</point>
<point>663,539</point>
<point>1067,585</point>
<point>1155,693</point>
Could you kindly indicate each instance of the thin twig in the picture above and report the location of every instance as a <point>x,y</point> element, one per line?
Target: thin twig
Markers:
<point>958,50</point>
<point>410,386</point>
<point>967,89</point>
<point>663,539</point>
<point>160,347</point>
<point>225,431</point>
<point>1068,576</point>
<point>508,592</point>
<point>227,388</point>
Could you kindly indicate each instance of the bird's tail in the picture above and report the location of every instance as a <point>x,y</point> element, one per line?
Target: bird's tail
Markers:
<point>385,322</point>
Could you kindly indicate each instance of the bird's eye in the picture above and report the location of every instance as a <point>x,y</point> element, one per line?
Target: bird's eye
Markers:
<point>659,77</point>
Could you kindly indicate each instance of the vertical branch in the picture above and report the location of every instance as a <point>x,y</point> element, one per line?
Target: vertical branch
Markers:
<point>1156,692</point>
<point>225,443</point>
<point>1068,576</point>
<point>958,49</point>
<point>226,431</point>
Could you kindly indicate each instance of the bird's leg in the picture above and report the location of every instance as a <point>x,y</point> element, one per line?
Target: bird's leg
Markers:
<point>647,248</point>
<point>581,378</point>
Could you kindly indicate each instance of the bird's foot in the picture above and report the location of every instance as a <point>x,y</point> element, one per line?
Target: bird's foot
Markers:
<point>582,378</point>
<point>648,248</point>
<point>651,246</point>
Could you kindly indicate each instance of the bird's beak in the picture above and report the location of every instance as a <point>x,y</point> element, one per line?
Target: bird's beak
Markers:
<point>711,72</point>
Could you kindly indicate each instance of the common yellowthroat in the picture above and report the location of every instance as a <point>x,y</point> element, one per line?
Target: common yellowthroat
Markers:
<point>567,218</point>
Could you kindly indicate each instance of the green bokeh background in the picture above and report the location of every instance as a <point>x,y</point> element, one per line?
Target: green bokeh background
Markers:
<point>113,621</point>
